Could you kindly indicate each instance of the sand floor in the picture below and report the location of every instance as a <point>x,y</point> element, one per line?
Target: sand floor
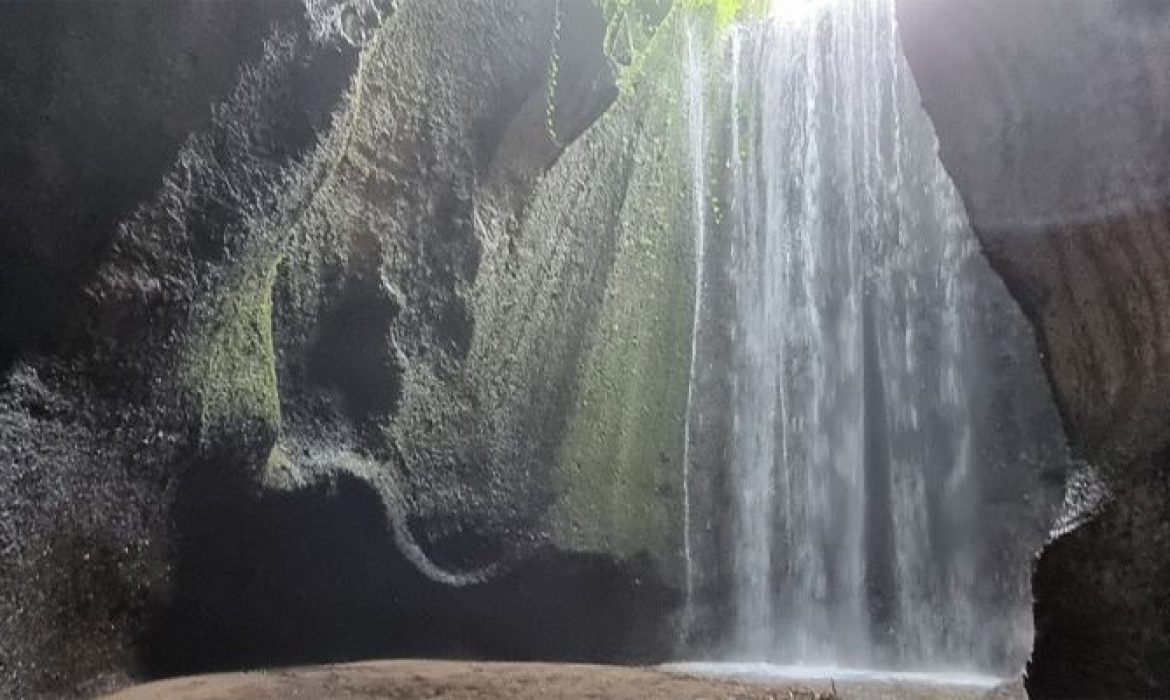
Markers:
<point>408,680</point>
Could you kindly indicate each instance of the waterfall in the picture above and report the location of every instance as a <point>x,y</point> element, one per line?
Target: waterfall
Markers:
<point>849,414</point>
<point>858,441</point>
<point>697,124</point>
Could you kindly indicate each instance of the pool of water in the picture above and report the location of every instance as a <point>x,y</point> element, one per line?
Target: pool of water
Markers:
<point>765,672</point>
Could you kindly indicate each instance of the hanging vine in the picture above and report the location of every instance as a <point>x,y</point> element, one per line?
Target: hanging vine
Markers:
<point>553,75</point>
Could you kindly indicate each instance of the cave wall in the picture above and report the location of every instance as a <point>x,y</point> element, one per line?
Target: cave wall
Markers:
<point>630,409</point>
<point>323,329</point>
<point>1054,120</point>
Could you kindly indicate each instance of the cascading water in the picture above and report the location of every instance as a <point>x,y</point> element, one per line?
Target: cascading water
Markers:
<point>697,122</point>
<point>859,445</point>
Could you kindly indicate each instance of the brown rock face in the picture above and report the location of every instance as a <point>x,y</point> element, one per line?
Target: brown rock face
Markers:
<point>1054,120</point>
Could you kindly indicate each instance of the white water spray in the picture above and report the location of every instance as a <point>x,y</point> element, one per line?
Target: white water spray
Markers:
<point>848,501</point>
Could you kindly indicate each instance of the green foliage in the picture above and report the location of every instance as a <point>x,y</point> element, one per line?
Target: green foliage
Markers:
<point>642,16</point>
<point>728,11</point>
<point>633,24</point>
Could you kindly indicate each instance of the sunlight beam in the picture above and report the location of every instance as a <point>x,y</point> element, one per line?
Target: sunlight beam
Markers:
<point>796,10</point>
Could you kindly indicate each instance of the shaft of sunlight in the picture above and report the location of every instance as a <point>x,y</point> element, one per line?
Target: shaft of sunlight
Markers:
<point>797,10</point>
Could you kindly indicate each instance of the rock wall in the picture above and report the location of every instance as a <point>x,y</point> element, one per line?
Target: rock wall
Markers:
<point>1054,120</point>
<point>324,329</point>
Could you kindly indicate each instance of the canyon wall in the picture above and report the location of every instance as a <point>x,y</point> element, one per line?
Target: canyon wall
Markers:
<point>325,327</point>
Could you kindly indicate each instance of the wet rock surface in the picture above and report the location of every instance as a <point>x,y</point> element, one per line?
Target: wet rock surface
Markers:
<point>294,300</point>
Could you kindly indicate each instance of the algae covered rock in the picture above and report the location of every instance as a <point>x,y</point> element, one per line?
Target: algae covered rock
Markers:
<point>311,319</point>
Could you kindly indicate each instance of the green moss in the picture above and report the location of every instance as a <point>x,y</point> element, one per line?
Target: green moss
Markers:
<point>620,476</point>
<point>230,365</point>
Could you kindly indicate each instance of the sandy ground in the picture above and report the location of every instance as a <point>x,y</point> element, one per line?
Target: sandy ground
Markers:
<point>408,680</point>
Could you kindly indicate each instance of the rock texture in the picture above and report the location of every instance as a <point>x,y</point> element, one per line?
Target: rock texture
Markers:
<point>323,325</point>
<point>1054,120</point>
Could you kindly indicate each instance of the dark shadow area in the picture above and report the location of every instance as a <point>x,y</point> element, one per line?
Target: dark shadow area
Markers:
<point>98,98</point>
<point>313,576</point>
<point>1102,592</point>
<point>356,355</point>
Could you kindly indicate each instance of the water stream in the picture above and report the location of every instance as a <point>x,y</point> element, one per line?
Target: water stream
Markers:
<point>857,445</point>
<point>697,127</point>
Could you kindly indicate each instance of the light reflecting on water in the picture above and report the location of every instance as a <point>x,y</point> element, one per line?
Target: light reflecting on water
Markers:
<point>770,672</point>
